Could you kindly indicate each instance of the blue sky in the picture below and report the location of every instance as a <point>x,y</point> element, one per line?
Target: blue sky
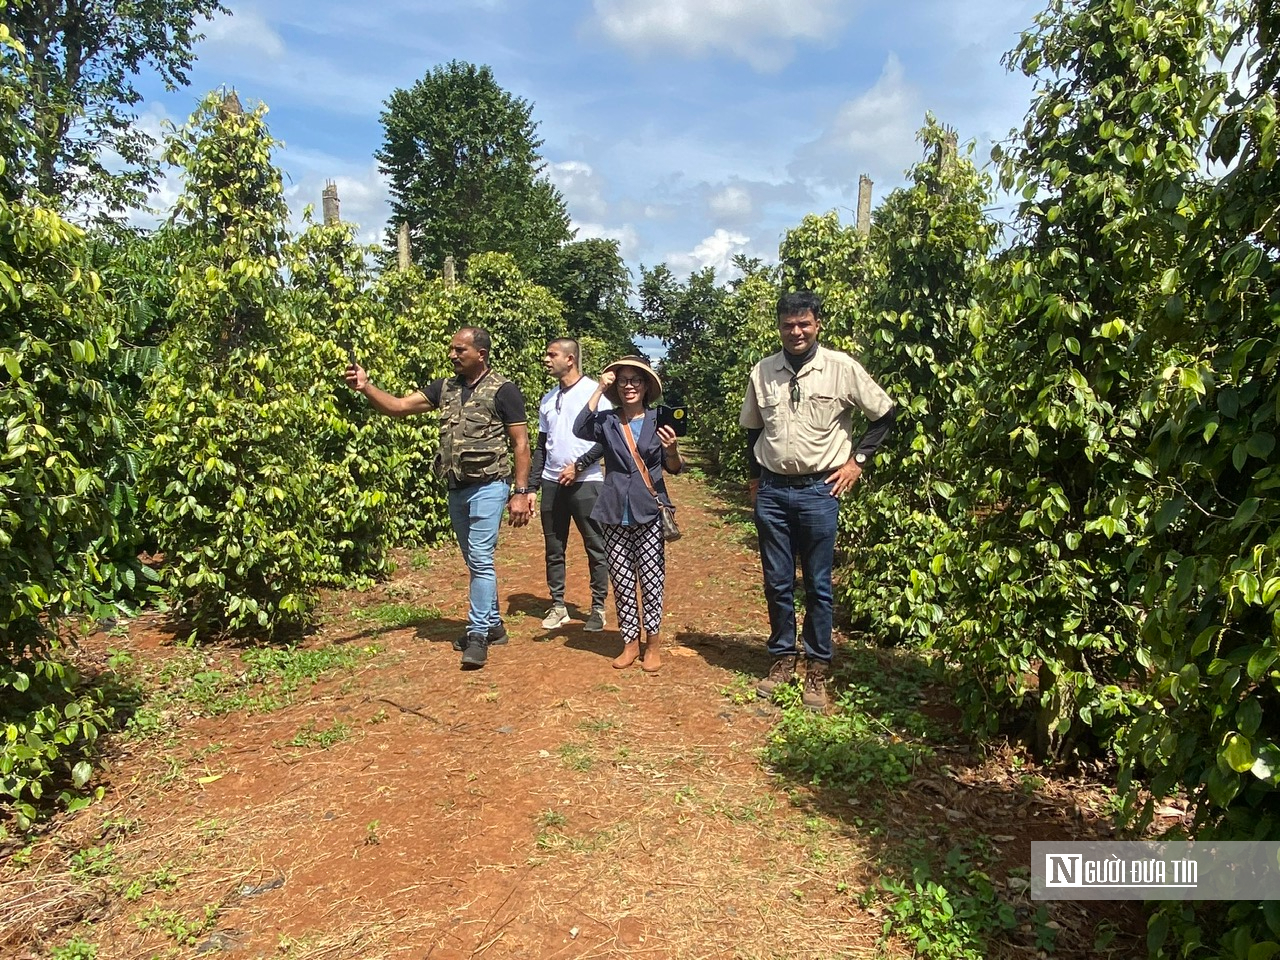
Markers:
<point>689,130</point>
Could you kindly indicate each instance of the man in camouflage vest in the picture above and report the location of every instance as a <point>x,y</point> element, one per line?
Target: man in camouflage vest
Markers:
<point>482,413</point>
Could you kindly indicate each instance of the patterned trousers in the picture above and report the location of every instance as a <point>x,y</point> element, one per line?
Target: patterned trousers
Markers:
<point>636,554</point>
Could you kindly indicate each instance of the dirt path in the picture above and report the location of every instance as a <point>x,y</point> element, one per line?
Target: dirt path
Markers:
<point>547,806</point>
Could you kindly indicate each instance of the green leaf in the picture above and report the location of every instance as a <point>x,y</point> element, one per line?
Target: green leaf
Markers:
<point>1267,766</point>
<point>1249,716</point>
<point>1260,662</point>
<point>1260,445</point>
<point>81,773</point>
<point>1238,753</point>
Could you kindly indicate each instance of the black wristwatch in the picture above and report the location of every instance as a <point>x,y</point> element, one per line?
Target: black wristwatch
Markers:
<point>519,490</point>
<point>860,459</point>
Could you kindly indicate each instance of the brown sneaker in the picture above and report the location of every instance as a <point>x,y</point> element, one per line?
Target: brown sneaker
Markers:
<point>814,696</point>
<point>782,672</point>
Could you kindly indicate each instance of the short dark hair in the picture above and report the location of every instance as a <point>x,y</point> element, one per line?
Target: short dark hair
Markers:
<point>480,337</point>
<point>799,301</point>
<point>569,346</point>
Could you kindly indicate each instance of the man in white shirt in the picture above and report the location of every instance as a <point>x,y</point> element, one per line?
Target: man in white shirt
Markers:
<point>568,472</point>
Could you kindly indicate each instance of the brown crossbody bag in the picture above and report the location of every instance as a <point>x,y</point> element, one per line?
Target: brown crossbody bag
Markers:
<point>670,530</point>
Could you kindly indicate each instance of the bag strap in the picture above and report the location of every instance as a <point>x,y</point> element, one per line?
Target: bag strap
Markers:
<point>635,455</point>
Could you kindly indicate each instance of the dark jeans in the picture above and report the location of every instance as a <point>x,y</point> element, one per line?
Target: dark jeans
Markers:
<point>560,505</point>
<point>791,521</point>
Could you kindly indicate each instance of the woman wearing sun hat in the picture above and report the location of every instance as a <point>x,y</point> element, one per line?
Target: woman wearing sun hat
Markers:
<point>626,509</point>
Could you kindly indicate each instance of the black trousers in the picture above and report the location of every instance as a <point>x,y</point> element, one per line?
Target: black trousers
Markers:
<point>560,505</point>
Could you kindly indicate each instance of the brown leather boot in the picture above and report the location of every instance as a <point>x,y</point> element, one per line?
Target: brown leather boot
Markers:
<point>782,672</point>
<point>630,654</point>
<point>652,661</point>
<point>814,696</point>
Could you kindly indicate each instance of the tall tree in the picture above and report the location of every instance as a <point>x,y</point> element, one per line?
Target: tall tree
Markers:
<point>462,156</point>
<point>590,278</point>
<point>77,91</point>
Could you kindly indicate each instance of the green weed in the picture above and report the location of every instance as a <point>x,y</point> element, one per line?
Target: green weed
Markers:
<point>551,818</point>
<point>93,862</point>
<point>952,918</point>
<point>321,739</point>
<point>869,737</point>
<point>577,757</point>
<point>180,929</point>
<point>742,690</point>
<point>76,949</point>
<point>393,615</point>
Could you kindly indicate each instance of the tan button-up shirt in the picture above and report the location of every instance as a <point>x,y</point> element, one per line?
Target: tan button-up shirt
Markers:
<point>815,433</point>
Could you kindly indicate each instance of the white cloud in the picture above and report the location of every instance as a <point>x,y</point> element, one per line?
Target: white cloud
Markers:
<point>732,203</point>
<point>874,133</point>
<point>247,33</point>
<point>582,187</point>
<point>248,53</point>
<point>627,236</point>
<point>761,32</point>
<point>717,250</point>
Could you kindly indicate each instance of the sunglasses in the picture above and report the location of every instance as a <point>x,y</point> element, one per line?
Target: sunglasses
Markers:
<point>795,389</point>
<point>631,381</point>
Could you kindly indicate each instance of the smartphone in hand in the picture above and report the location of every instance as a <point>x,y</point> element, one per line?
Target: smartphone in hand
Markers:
<point>677,418</point>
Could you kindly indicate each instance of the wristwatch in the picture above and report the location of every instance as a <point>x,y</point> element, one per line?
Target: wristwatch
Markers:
<point>517,490</point>
<point>860,459</point>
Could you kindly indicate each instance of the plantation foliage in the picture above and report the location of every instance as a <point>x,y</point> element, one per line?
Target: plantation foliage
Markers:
<point>1079,508</point>
<point>196,412</point>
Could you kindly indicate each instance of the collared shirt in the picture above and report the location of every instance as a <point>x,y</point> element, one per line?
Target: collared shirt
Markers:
<point>813,432</point>
<point>556,413</point>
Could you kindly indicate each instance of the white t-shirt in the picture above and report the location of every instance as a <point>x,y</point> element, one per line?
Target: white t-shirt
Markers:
<point>563,448</point>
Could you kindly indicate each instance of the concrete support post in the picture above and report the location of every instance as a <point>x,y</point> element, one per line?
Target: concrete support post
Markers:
<point>402,247</point>
<point>329,202</point>
<point>864,204</point>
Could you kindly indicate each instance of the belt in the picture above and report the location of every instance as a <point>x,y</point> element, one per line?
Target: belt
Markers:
<point>794,480</point>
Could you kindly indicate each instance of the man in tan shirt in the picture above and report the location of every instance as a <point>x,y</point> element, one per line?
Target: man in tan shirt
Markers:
<point>798,413</point>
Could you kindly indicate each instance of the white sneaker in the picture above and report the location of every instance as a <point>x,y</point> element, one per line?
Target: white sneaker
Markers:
<point>557,616</point>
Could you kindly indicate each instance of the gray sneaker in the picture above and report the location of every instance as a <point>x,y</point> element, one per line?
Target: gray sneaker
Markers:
<point>595,622</point>
<point>557,616</point>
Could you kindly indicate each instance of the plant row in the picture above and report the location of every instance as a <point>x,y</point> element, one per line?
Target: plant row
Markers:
<point>1079,510</point>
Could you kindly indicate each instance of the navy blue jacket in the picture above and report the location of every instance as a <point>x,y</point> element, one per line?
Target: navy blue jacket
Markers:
<point>622,481</point>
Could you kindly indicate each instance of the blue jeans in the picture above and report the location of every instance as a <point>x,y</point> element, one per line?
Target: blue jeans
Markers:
<point>789,521</point>
<point>476,515</point>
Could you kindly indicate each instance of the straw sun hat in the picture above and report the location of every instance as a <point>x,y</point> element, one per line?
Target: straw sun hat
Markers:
<point>654,392</point>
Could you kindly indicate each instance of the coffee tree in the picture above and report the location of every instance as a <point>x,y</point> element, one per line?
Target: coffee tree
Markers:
<point>906,296</point>
<point>362,468</point>
<point>1056,489</point>
<point>231,479</point>
<point>56,339</point>
<point>1211,578</point>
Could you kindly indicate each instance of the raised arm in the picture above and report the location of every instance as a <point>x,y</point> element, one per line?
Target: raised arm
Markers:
<point>358,380</point>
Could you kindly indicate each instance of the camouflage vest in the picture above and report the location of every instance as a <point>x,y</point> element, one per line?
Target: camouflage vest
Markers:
<point>473,438</point>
